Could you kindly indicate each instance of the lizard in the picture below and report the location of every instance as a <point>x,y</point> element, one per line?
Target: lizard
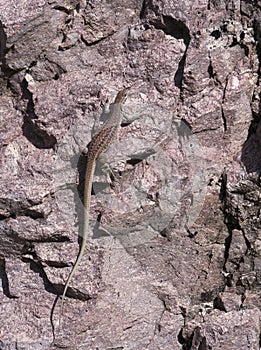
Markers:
<point>100,141</point>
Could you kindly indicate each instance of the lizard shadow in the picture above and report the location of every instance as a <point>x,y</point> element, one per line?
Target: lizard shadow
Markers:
<point>79,194</point>
<point>5,281</point>
<point>34,266</point>
<point>81,168</point>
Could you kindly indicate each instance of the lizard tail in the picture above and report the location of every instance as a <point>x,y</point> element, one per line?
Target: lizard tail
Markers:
<point>87,200</point>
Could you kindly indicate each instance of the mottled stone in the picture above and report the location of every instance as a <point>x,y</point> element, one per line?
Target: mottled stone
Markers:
<point>173,259</point>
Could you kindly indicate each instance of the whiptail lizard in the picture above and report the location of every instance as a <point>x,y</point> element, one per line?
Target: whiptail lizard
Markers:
<point>99,143</point>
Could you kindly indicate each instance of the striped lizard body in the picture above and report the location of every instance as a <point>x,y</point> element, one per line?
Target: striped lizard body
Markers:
<point>98,144</point>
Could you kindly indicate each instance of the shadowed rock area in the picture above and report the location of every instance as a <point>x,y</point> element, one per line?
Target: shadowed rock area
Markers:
<point>173,259</point>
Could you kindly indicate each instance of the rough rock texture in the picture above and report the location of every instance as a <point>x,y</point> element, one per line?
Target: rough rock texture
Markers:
<point>174,254</point>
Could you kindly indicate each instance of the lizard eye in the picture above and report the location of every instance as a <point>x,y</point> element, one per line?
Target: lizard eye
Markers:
<point>125,95</point>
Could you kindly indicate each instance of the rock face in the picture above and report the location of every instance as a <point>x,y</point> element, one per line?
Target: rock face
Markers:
<point>173,259</point>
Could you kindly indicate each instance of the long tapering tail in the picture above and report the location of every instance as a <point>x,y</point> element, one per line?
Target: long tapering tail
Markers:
<point>87,200</point>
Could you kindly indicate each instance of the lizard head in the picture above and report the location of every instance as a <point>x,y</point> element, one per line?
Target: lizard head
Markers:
<point>122,95</point>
